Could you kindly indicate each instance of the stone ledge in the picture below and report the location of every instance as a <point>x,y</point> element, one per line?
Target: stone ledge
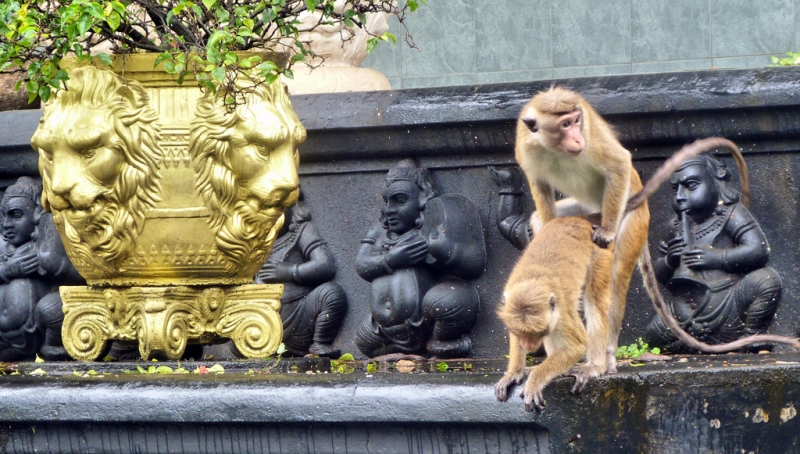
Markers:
<point>720,403</point>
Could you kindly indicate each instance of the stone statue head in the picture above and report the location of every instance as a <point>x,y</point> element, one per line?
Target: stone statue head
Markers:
<point>21,210</point>
<point>701,187</point>
<point>407,190</point>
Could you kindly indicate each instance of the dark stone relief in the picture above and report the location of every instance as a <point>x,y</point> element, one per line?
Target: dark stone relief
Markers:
<point>713,261</point>
<point>33,264</point>
<point>313,305</point>
<point>419,259</point>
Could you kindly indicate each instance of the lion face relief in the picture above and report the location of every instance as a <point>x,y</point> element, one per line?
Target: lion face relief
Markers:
<point>246,166</point>
<point>99,160</point>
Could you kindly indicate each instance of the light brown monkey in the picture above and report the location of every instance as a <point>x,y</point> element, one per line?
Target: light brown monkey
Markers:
<point>564,145</point>
<point>562,272</point>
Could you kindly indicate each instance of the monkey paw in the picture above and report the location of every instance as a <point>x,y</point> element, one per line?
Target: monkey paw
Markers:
<point>582,376</point>
<point>533,399</point>
<point>602,237</point>
<point>508,380</point>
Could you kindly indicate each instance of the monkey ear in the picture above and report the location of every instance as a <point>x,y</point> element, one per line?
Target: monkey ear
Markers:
<point>552,302</point>
<point>531,124</point>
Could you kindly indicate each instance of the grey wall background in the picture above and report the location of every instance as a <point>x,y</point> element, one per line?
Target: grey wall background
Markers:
<point>465,42</point>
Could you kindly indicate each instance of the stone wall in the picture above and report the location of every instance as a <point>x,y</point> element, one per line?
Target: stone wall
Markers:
<point>458,132</point>
<point>469,42</point>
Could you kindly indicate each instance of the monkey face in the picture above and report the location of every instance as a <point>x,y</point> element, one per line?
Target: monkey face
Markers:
<point>696,192</point>
<point>569,131</point>
<point>530,342</point>
<point>401,205</point>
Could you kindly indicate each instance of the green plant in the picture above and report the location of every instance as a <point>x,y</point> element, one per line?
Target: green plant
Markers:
<point>636,350</point>
<point>343,365</point>
<point>191,37</point>
<point>793,58</point>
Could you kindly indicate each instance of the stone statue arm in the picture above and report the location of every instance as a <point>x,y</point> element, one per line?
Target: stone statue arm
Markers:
<point>670,250</point>
<point>373,261</point>
<point>512,222</point>
<point>23,263</point>
<point>749,252</point>
<point>319,266</point>
<point>370,259</point>
<point>53,260</point>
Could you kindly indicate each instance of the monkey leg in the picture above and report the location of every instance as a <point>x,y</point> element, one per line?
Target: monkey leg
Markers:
<point>516,368</point>
<point>631,240</point>
<point>596,304</point>
<point>565,346</point>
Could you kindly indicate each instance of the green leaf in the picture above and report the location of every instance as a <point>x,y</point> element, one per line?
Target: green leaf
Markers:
<point>218,74</point>
<point>442,367</point>
<point>105,58</point>
<point>347,357</point>
<point>209,3</point>
<point>311,4</point>
<point>163,370</point>
<point>412,5</point>
<point>162,58</point>
<point>216,369</point>
<point>372,42</point>
<point>114,20</point>
<point>33,90</point>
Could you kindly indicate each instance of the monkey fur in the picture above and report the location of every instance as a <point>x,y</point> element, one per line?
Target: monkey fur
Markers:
<point>564,145</point>
<point>560,274</point>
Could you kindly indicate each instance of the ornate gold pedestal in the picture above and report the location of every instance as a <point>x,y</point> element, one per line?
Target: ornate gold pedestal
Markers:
<point>168,203</point>
<point>165,319</point>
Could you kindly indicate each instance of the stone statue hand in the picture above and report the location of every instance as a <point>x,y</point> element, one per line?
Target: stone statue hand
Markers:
<point>508,179</point>
<point>439,245</point>
<point>705,258</point>
<point>675,249</point>
<point>408,252</point>
<point>23,265</point>
<point>275,272</point>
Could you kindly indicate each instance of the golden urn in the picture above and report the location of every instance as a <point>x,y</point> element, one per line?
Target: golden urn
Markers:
<point>168,204</point>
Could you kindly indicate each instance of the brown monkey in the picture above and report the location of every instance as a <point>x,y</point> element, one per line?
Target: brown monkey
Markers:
<point>561,272</point>
<point>564,145</point>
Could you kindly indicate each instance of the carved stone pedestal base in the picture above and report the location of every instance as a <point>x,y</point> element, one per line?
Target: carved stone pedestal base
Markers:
<point>165,319</point>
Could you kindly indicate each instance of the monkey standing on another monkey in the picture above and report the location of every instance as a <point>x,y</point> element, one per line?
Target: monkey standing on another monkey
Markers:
<point>563,272</point>
<point>564,145</point>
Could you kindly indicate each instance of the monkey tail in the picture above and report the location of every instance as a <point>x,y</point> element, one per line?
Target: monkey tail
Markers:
<point>688,152</point>
<point>651,285</point>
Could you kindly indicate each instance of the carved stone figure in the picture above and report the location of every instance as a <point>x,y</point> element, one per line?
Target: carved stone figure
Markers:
<point>512,222</point>
<point>32,264</point>
<point>714,261</point>
<point>313,305</point>
<point>418,259</point>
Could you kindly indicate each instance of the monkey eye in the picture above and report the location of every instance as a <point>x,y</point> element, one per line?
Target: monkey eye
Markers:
<point>577,119</point>
<point>565,124</point>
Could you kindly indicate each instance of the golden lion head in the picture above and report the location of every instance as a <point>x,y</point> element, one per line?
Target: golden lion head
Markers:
<point>99,159</point>
<point>246,166</point>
